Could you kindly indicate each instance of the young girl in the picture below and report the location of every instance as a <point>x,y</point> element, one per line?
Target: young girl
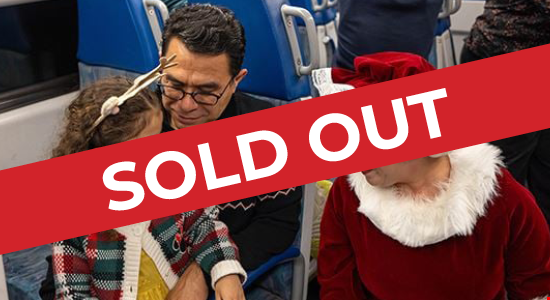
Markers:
<point>140,261</point>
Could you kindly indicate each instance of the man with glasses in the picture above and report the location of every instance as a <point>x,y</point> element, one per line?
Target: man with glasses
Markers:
<point>209,45</point>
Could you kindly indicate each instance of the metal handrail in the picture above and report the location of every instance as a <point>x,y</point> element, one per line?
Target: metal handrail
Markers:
<point>450,7</point>
<point>288,12</point>
<point>456,4</point>
<point>151,6</point>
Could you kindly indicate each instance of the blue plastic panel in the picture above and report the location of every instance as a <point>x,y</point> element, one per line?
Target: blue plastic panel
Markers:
<point>442,26</point>
<point>322,17</point>
<point>318,16</point>
<point>268,56</point>
<point>116,34</point>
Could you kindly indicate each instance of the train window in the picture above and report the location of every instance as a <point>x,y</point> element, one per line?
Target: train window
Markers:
<point>38,43</point>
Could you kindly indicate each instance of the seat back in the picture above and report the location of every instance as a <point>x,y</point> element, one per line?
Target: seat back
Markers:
<point>315,7</point>
<point>324,13</point>
<point>268,57</point>
<point>120,34</point>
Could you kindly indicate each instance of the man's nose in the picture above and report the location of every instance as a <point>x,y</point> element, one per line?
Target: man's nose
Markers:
<point>187,103</point>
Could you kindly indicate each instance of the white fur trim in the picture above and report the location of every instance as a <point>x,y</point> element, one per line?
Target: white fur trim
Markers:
<point>472,186</point>
<point>224,268</point>
<point>542,298</point>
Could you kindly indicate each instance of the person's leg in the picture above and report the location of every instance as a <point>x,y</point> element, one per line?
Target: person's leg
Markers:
<point>539,173</point>
<point>517,152</point>
<point>25,271</point>
<point>275,285</point>
<point>467,55</point>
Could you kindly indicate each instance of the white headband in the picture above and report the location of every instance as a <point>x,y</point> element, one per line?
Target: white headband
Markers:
<point>110,107</point>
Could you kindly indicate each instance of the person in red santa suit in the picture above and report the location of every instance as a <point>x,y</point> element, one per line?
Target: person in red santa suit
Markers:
<point>449,226</point>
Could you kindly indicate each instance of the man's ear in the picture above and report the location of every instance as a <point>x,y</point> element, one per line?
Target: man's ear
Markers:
<point>240,76</point>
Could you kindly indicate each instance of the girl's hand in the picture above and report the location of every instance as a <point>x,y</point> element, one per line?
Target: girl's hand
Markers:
<point>229,288</point>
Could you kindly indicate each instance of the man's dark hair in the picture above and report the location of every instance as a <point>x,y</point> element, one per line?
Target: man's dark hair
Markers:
<point>207,29</point>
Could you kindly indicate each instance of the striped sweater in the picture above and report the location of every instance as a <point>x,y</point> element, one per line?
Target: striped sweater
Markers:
<point>105,265</point>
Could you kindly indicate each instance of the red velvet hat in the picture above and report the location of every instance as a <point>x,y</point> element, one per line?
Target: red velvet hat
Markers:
<point>380,67</point>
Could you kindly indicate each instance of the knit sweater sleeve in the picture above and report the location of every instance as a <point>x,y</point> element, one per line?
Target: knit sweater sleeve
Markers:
<point>71,270</point>
<point>272,229</point>
<point>211,246</point>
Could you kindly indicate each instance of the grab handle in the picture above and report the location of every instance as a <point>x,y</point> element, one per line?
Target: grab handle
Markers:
<point>150,10</point>
<point>288,12</point>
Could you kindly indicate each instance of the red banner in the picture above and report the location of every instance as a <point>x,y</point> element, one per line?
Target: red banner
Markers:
<point>274,149</point>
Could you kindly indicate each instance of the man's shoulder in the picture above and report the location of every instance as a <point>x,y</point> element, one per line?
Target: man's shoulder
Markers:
<point>247,104</point>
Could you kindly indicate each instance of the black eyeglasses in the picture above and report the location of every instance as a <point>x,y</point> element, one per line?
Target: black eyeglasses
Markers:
<point>199,97</point>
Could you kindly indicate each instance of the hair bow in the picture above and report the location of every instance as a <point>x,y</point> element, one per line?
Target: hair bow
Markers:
<point>111,106</point>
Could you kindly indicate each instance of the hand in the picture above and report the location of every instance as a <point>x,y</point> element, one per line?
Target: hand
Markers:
<point>229,288</point>
<point>190,286</point>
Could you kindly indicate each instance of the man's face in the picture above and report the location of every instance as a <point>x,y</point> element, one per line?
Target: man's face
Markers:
<point>197,73</point>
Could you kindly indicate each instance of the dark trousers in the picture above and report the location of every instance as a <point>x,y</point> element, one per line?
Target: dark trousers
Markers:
<point>527,157</point>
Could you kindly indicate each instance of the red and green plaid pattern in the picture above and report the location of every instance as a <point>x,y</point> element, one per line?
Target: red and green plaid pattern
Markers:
<point>93,265</point>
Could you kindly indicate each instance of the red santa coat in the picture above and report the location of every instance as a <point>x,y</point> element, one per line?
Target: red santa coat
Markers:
<point>483,238</point>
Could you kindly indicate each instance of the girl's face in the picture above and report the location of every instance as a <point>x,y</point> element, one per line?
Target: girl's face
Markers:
<point>154,126</point>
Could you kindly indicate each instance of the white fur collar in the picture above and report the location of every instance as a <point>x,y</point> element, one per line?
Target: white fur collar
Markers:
<point>473,185</point>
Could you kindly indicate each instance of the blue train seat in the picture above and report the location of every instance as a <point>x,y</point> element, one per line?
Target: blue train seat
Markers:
<point>128,29</point>
<point>118,37</point>
<point>276,70</point>
<point>324,14</point>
